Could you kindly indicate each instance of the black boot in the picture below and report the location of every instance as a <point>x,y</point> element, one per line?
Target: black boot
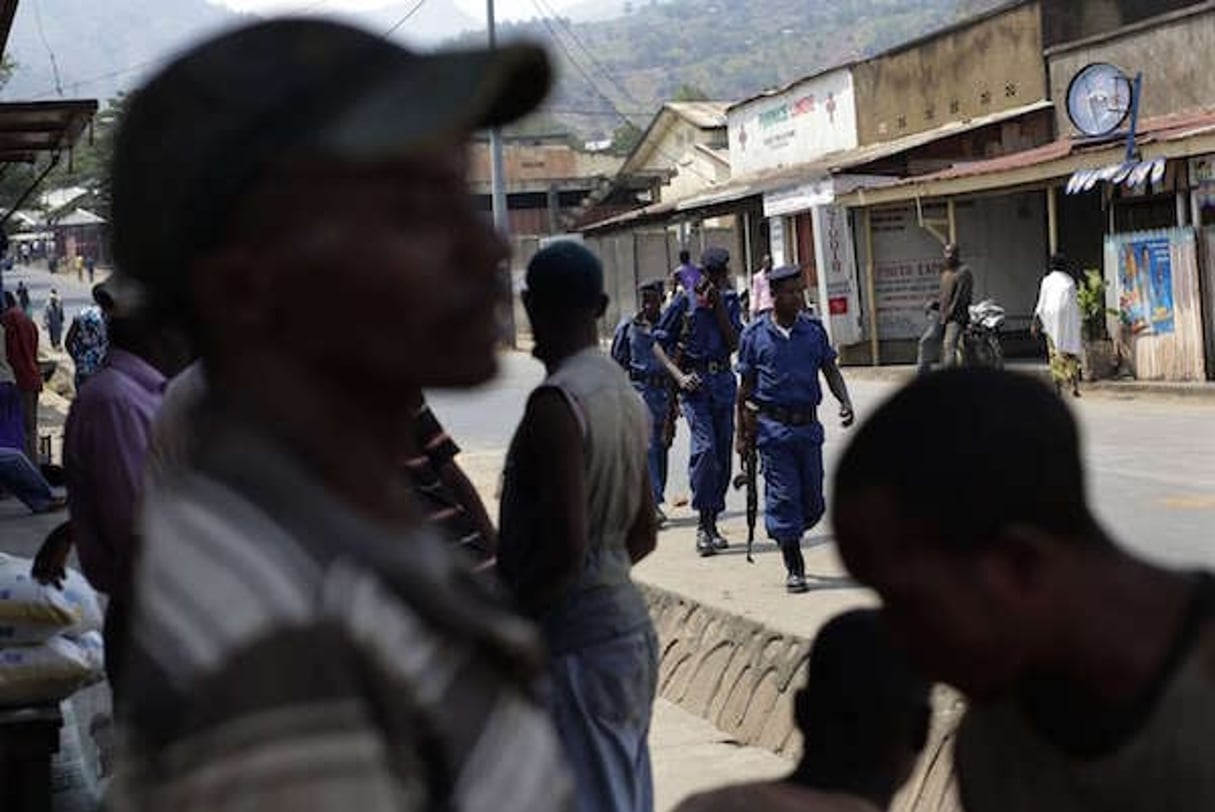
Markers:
<point>719,541</point>
<point>795,565</point>
<point>704,537</point>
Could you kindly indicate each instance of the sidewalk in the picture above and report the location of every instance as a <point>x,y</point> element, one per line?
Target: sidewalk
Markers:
<point>1123,389</point>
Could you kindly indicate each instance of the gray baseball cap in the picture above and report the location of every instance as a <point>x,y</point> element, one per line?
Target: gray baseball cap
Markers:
<point>202,130</point>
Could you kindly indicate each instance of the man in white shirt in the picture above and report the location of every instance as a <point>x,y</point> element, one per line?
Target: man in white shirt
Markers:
<point>1057,314</point>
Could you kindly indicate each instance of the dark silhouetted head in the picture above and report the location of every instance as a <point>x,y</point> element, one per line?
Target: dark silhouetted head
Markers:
<point>685,257</point>
<point>864,712</point>
<point>961,501</point>
<point>564,298</point>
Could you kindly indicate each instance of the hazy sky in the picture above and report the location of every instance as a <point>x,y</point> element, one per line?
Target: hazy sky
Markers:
<point>504,9</point>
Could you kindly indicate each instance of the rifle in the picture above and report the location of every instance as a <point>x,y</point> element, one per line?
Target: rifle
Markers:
<point>748,479</point>
<point>671,418</point>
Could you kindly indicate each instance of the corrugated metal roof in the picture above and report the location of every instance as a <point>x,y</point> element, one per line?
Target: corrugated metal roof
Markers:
<point>708,115</point>
<point>1161,128</point>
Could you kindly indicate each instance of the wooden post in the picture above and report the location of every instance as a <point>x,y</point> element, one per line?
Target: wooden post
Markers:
<point>953,221</point>
<point>871,291</point>
<point>1052,219</point>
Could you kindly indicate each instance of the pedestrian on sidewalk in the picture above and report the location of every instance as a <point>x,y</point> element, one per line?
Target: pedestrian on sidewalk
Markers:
<point>52,319</point>
<point>1090,673</point>
<point>948,314</point>
<point>287,588</point>
<point>86,342</point>
<point>12,412</point>
<point>864,716</point>
<point>90,265</point>
<point>23,297</point>
<point>780,358</point>
<point>105,444</point>
<point>701,329</point>
<point>685,276</point>
<point>24,480</point>
<point>636,349</point>
<point>1057,314</point>
<point>761,292</point>
<point>577,513</point>
<point>78,264</point>
<point>21,349</point>
<point>449,498</point>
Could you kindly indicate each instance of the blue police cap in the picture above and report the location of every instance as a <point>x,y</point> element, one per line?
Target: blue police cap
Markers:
<point>782,273</point>
<point>715,258</point>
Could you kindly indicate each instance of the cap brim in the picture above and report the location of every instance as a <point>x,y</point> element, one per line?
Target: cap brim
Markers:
<point>435,97</point>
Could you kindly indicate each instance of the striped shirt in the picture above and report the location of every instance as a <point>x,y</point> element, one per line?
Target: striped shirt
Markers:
<point>436,449</point>
<point>287,654</point>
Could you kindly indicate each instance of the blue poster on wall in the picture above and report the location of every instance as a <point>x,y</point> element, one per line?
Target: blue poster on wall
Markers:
<point>1145,270</point>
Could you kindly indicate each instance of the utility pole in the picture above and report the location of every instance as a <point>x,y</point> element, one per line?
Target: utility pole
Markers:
<point>497,179</point>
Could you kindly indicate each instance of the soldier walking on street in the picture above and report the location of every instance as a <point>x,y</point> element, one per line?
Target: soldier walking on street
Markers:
<point>703,327</point>
<point>779,361</point>
<point>634,347</point>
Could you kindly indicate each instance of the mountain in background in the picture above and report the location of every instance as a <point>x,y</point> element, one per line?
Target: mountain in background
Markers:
<point>101,46</point>
<point>627,66</point>
<point>641,52</point>
<point>434,22</point>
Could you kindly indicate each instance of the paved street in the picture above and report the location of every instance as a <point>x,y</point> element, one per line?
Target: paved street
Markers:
<point>1151,460</point>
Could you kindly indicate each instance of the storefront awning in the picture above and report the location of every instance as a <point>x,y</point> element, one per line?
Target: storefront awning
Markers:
<point>30,128</point>
<point>775,180</point>
<point>1166,137</point>
<point>1129,174</point>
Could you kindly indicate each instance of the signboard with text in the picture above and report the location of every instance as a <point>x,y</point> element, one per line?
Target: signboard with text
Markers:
<point>809,120</point>
<point>837,277</point>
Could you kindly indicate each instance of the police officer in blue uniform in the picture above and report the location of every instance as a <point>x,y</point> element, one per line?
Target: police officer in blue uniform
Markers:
<point>780,358</point>
<point>700,330</point>
<point>635,348</point>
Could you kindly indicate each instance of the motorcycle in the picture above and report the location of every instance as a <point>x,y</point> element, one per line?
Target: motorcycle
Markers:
<point>980,345</point>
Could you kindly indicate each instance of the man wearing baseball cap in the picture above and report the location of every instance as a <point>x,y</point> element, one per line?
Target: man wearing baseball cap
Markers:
<point>300,641</point>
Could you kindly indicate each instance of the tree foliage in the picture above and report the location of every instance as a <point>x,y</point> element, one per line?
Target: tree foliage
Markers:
<point>625,138</point>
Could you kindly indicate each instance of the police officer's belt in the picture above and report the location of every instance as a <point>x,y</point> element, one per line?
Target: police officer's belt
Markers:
<point>653,379</point>
<point>799,416</point>
<point>712,367</point>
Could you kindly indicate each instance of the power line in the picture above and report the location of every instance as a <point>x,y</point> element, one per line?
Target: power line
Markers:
<point>569,29</point>
<point>49,50</point>
<point>409,14</point>
<point>615,109</point>
<point>101,77</point>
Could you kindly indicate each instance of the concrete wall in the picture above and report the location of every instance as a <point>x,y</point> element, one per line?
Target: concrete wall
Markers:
<point>696,172</point>
<point>1070,20</point>
<point>991,65</point>
<point>1173,57</point>
<point>1002,239</point>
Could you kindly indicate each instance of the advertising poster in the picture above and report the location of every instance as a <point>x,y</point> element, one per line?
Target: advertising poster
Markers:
<point>1145,285</point>
<point>837,275</point>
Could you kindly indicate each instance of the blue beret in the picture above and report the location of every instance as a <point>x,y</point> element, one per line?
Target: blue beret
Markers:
<point>566,273</point>
<point>715,258</point>
<point>782,273</point>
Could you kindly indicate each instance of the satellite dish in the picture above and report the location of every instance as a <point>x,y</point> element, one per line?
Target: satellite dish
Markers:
<point>1099,99</point>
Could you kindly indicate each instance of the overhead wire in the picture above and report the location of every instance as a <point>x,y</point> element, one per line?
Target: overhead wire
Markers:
<point>408,16</point>
<point>49,50</point>
<point>544,18</point>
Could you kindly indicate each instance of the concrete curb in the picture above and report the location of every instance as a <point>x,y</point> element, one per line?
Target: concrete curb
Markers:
<point>743,676</point>
<point>1106,388</point>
